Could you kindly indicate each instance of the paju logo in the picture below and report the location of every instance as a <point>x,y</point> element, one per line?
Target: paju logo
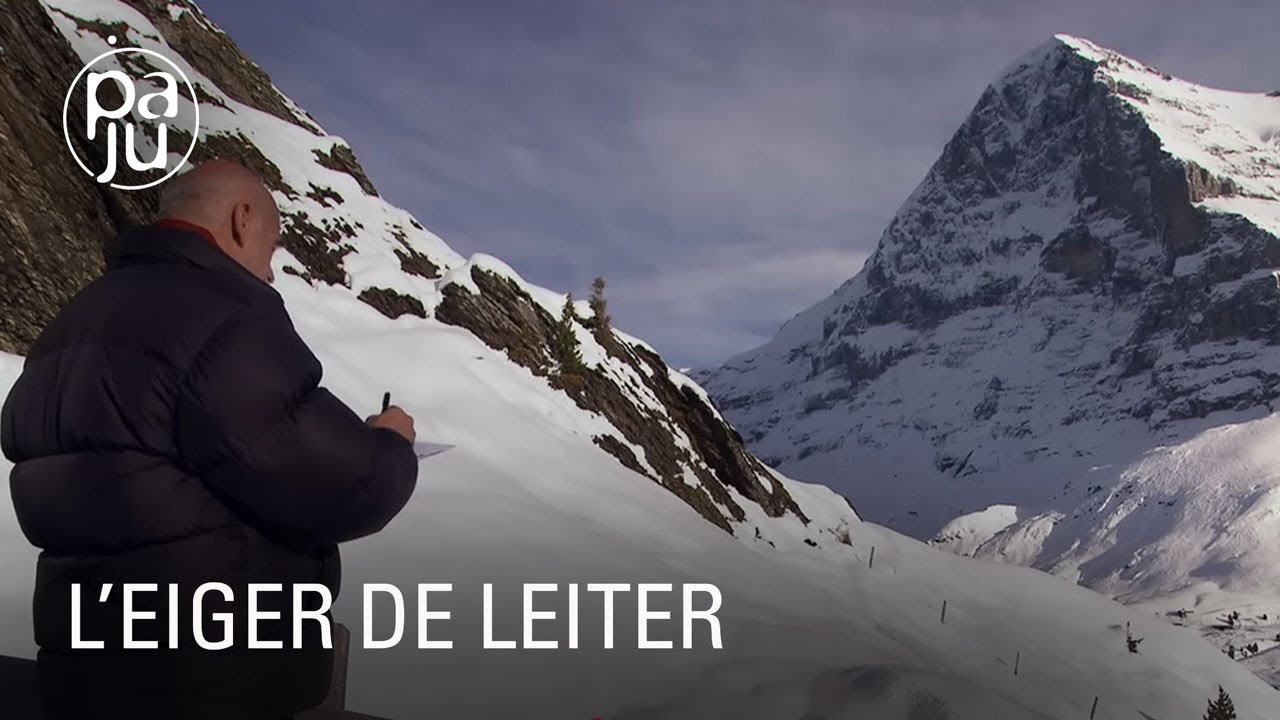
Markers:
<point>115,126</point>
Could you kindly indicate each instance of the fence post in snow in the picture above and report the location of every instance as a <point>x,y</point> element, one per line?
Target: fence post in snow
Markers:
<point>1017,660</point>
<point>944,612</point>
<point>872,562</point>
<point>1094,709</point>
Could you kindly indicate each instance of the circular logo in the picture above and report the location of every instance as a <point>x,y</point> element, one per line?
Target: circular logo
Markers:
<point>132,116</point>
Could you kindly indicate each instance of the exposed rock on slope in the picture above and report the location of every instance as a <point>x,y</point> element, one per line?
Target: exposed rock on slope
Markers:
<point>52,217</point>
<point>687,447</point>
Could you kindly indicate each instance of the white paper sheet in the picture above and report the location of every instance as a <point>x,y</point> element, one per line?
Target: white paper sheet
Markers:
<point>426,449</point>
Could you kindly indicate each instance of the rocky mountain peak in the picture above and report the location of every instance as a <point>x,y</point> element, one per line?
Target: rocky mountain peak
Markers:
<point>1098,235</point>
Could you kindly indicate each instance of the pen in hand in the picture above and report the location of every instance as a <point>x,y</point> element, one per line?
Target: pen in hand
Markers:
<point>399,421</point>
<point>428,449</point>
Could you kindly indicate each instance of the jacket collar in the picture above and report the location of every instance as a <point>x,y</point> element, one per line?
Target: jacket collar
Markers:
<point>177,224</point>
<point>181,243</point>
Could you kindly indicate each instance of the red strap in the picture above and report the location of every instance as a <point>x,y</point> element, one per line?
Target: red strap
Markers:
<point>189,227</point>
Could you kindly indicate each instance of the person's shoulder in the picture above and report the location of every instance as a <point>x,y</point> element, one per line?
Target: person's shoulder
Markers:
<point>242,293</point>
<point>227,303</point>
<point>263,326</point>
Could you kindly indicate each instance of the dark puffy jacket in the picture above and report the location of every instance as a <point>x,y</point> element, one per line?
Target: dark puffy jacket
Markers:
<point>169,427</point>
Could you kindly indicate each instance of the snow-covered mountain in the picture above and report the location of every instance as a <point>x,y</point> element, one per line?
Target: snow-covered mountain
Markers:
<point>621,472</point>
<point>1063,352</point>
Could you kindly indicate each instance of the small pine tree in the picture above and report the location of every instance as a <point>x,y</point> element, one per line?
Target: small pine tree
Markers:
<point>1222,708</point>
<point>564,342</point>
<point>1130,641</point>
<point>600,308</point>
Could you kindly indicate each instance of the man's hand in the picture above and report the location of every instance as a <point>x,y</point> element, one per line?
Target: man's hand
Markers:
<point>393,418</point>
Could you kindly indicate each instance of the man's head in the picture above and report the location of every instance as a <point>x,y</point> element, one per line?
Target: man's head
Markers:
<point>229,201</point>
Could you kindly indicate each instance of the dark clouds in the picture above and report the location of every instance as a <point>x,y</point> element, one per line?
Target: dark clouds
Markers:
<point>722,163</point>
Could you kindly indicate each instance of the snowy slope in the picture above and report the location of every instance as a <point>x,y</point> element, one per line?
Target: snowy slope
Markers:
<point>1060,341</point>
<point>531,499</point>
<point>1153,534</point>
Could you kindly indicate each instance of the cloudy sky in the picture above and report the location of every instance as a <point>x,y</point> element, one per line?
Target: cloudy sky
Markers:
<point>722,163</point>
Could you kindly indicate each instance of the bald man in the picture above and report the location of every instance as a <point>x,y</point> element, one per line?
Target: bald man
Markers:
<point>169,429</point>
